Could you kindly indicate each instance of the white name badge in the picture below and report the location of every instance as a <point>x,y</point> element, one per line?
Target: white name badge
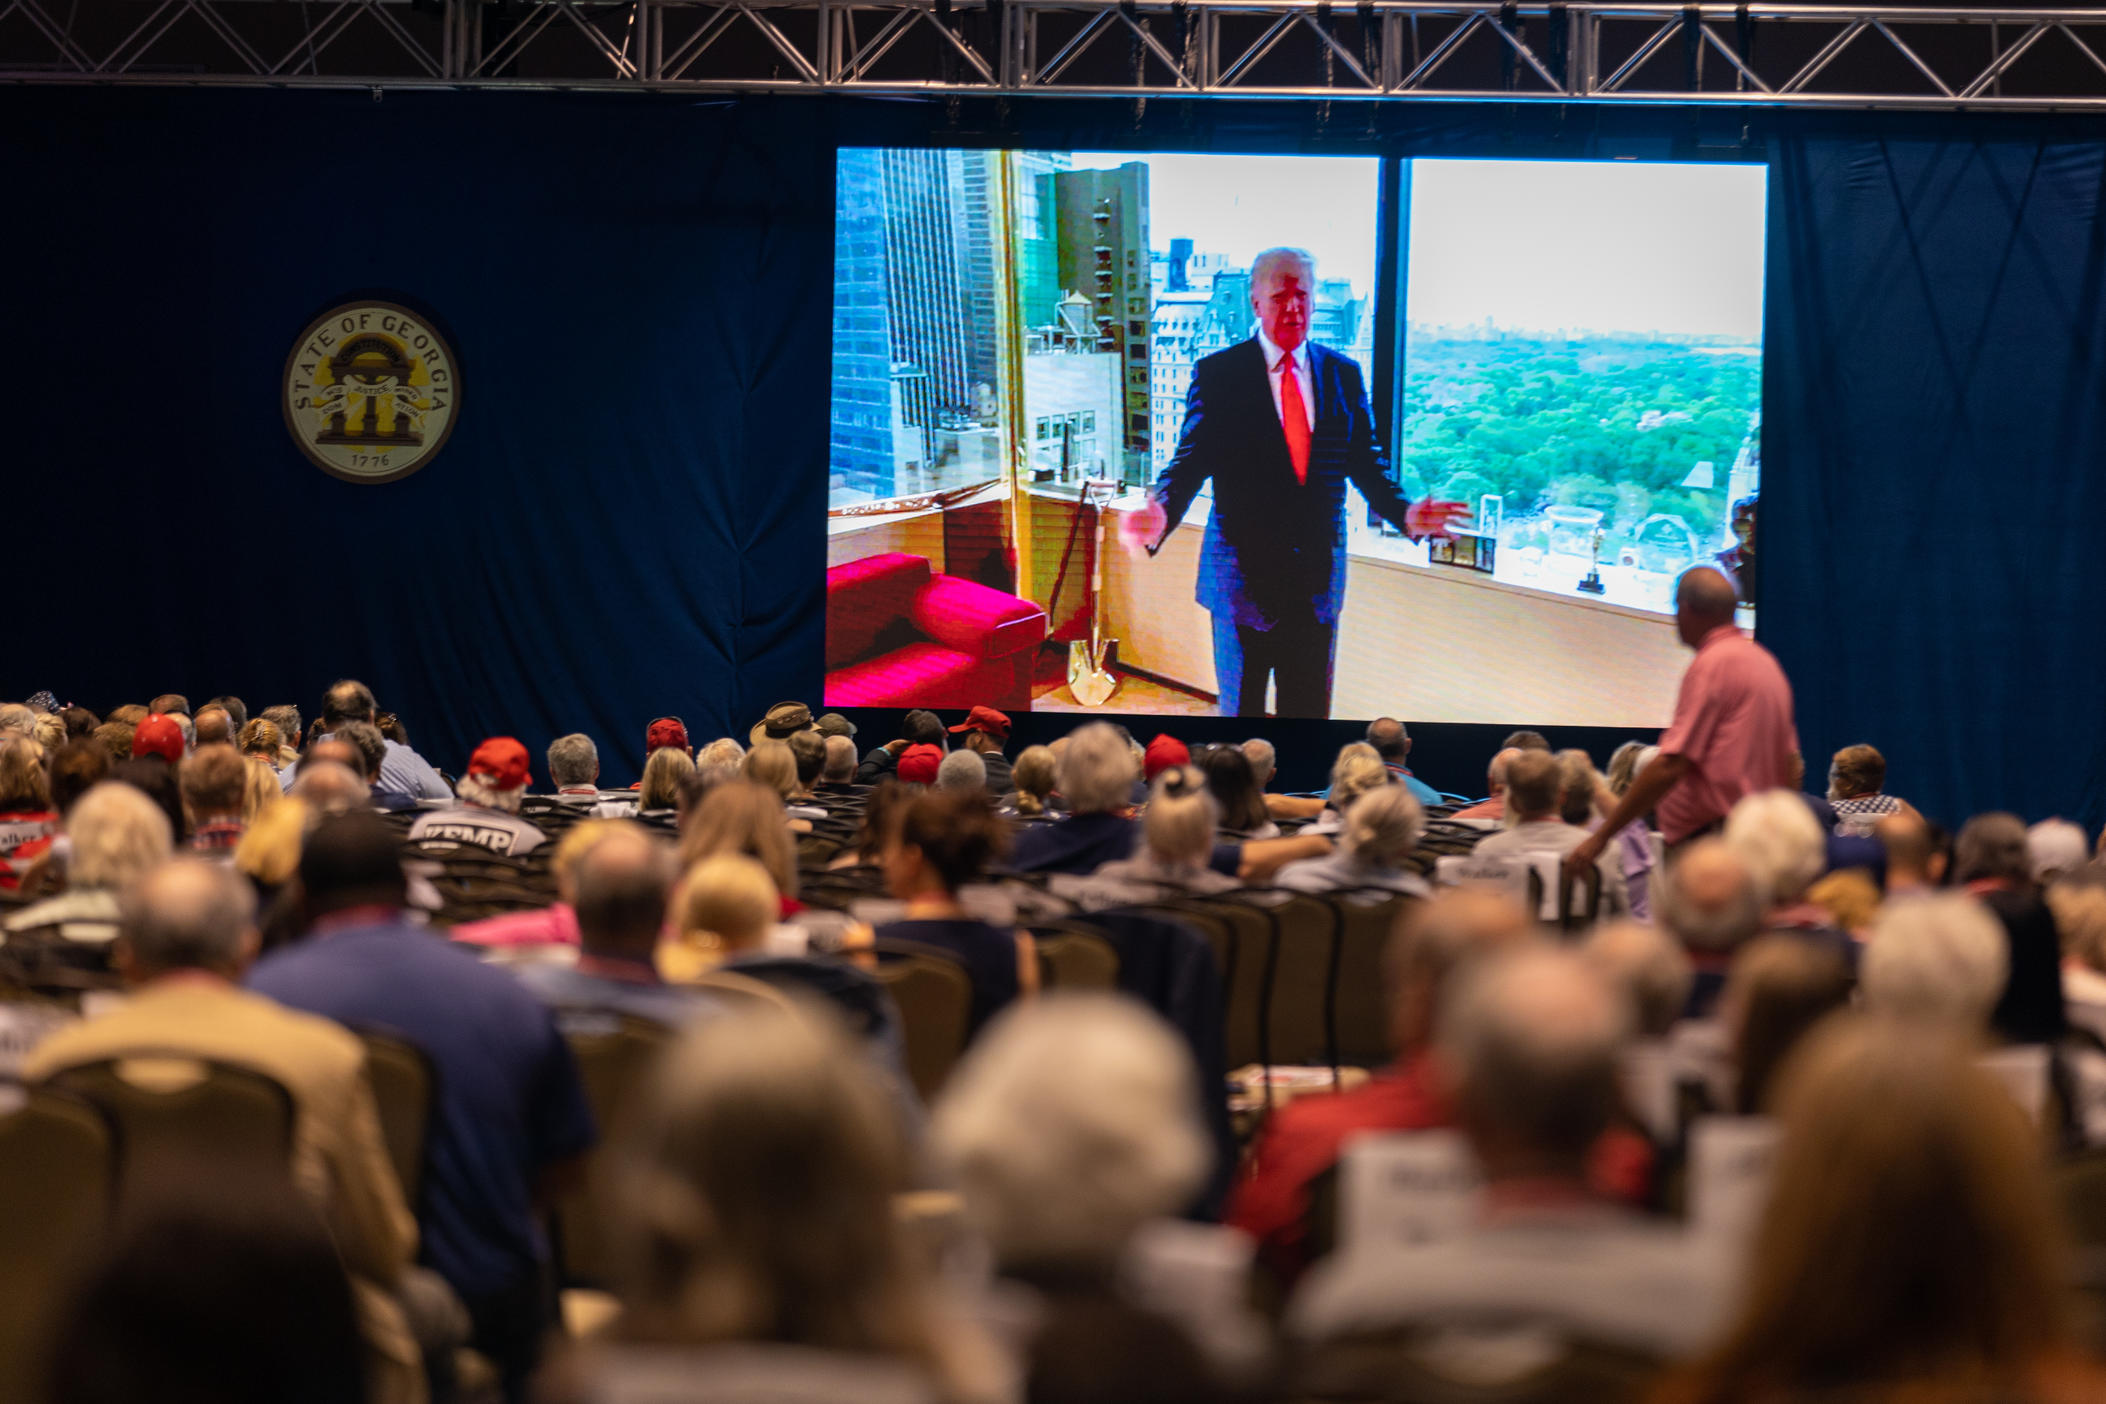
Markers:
<point>1730,1160</point>
<point>1405,1187</point>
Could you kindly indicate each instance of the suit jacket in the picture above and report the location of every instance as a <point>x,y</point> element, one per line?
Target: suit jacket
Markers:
<point>340,1162</point>
<point>1275,548</point>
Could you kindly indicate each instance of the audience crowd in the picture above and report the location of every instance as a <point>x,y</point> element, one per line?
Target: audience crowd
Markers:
<point>786,1073</point>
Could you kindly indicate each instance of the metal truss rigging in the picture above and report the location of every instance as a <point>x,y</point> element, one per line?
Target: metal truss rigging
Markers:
<point>1751,55</point>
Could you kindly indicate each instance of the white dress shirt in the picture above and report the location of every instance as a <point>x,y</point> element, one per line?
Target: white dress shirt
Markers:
<point>1301,374</point>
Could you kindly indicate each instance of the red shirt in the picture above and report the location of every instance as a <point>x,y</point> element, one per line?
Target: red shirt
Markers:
<point>1306,1137</point>
<point>1733,724</point>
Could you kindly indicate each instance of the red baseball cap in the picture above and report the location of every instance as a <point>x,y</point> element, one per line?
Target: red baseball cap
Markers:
<point>666,731</point>
<point>917,764</point>
<point>158,735</point>
<point>1162,753</point>
<point>987,719</point>
<point>500,763</point>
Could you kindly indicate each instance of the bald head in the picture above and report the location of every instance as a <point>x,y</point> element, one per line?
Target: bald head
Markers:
<point>1710,899</point>
<point>1704,599</point>
<point>1495,773</point>
<point>1530,1042</point>
<point>330,784</point>
<point>214,725</point>
<point>188,914</point>
<point>1914,858</point>
<point>1388,737</point>
<point>621,885</point>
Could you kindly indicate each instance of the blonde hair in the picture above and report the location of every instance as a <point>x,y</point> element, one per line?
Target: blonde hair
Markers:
<point>2080,915</point>
<point>260,790</point>
<point>49,731</point>
<point>724,754</point>
<point>754,1199</point>
<point>1033,775</point>
<point>1384,825</point>
<point>269,851</point>
<point>738,816</point>
<point>1910,1236</point>
<point>726,902</point>
<point>118,835</point>
<point>23,785</point>
<point>260,737</point>
<point>662,775</point>
<point>1357,771</point>
<point>773,764</point>
<point>1179,828</point>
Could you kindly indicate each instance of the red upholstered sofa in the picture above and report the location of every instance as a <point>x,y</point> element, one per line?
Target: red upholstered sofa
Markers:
<point>901,635</point>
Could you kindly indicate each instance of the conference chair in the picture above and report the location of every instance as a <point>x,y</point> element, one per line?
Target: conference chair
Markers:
<point>58,1163</point>
<point>613,1065</point>
<point>1360,1012</point>
<point>1299,983</point>
<point>1071,956</point>
<point>175,1114</point>
<point>405,1088</point>
<point>935,998</point>
<point>1243,938</point>
<point>740,992</point>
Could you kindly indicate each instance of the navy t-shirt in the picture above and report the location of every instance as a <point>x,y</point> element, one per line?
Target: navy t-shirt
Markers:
<point>509,1100</point>
<point>1083,843</point>
<point>988,953</point>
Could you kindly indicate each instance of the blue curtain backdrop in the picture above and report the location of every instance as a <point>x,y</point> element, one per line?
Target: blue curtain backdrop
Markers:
<point>1934,483</point>
<point>627,520</point>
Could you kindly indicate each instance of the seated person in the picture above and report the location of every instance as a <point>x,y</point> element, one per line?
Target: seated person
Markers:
<point>659,790</point>
<point>1529,1041</point>
<point>488,812</point>
<point>837,774</point>
<point>189,934</point>
<point>1492,810</point>
<point>738,816</point>
<point>1535,796</point>
<point>1302,1140</point>
<point>944,840</point>
<point>1380,831</point>
<point>1356,772</point>
<point>555,925</point>
<point>117,834</point>
<point>621,885</point>
<point>774,764</point>
<point>1033,779</point>
<point>880,811</point>
<point>28,818</point>
<point>1236,794</point>
<point>1177,844</point>
<point>1778,990</point>
<point>1857,777</point>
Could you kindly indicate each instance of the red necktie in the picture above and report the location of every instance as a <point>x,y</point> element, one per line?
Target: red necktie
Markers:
<point>1294,419</point>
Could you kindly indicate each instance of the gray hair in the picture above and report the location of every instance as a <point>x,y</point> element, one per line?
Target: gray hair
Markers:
<point>1533,1038</point>
<point>962,770</point>
<point>1649,966</point>
<point>573,760</point>
<point>1709,899</point>
<point>841,760</point>
<point>2056,847</point>
<point>724,756</point>
<point>1096,770</point>
<point>118,835</point>
<point>1264,760</point>
<point>189,914</point>
<point>1074,1120</point>
<point>1776,836</point>
<point>328,784</point>
<point>1179,828</point>
<point>1992,846</point>
<point>484,795</point>
<point>1262,266</point>
<point>1383,825</point>
<point>1942,959</point>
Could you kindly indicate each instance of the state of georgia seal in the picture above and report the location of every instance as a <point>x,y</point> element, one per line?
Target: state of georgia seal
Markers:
<point>371,392</point>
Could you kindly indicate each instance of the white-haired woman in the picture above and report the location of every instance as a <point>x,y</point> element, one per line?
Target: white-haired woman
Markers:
<point>118,834</point>
<point>1359,770</point>
<point>1783,847</point>
<point>762,1256</point>
<point>1071,1128</point>
<point>1381,828</point>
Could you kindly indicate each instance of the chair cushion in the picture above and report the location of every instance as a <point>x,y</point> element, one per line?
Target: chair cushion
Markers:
<point>976,620</point>
<point>864,597</point>
<point>919,675</point>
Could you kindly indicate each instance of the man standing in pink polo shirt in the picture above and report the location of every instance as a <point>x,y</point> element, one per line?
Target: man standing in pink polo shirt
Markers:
<point>1732,732</point>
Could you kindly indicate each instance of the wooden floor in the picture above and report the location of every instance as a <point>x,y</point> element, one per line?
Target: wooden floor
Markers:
<point>1049,693</point>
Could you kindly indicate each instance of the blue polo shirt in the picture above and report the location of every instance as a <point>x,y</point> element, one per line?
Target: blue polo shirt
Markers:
<point>509,1101</point>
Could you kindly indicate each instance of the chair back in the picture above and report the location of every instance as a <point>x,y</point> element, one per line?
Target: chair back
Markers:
<point>935,999</point>
<point>1244,939</point>
<point>1073,958</point>
<point>1298,995</point>
<point>405,1087</point>
<point>1360,1003</point>
<point>1410,1366</point>
<point>58,1164</point>
<point>175,1112</point>
<point>740,992</point>
<point>613,1065</point>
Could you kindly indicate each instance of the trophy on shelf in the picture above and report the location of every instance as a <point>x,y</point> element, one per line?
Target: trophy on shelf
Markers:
<point>1592,585</point>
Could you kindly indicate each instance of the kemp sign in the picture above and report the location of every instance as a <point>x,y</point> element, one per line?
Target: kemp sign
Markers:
<point>371,391</point>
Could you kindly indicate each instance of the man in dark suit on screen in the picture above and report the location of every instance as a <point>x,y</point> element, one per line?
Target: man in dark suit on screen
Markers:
<point>1280,424</point>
